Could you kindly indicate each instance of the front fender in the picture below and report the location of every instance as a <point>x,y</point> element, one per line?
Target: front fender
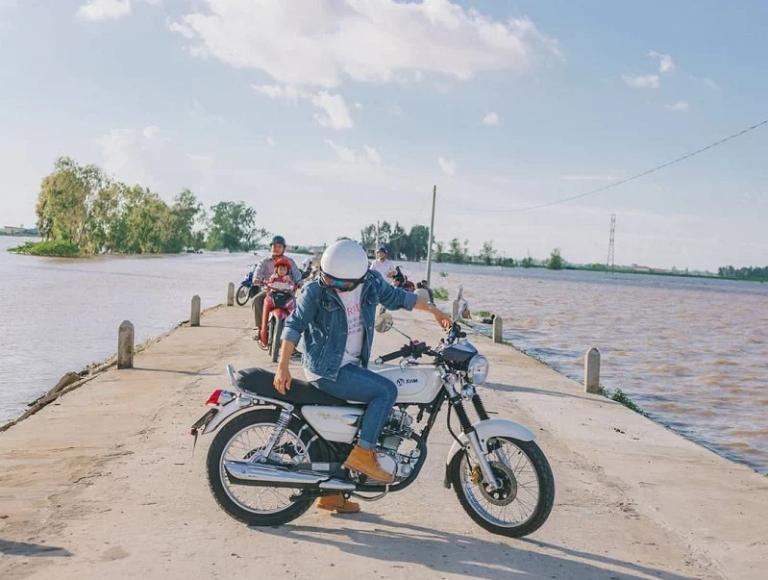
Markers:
<point>487,430</point>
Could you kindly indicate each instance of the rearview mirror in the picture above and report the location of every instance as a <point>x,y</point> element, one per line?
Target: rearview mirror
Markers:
<point>384,322</point>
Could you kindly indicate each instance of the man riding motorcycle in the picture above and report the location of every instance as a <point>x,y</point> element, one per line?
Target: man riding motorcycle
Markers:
<point>335,318</point>
<point>264,272</point>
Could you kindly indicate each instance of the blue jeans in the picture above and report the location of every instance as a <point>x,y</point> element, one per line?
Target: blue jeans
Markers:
<point>357,384</point>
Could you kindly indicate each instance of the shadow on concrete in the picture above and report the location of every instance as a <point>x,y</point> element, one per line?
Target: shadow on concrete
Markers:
<point>518,389</point>
<point>25,549</point>
<point>175,372</point>
<point>395,543</point>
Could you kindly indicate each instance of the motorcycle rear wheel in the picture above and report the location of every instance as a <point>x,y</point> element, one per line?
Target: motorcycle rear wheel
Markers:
<point>488,508</point>
<point>243,294</point>
<point>224,445</point>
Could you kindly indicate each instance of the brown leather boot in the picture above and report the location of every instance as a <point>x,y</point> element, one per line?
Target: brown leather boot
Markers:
<point>364,460</point>
<point>338,503</point>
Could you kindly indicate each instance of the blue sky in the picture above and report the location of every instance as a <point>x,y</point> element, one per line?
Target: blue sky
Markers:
<point>326,116</point>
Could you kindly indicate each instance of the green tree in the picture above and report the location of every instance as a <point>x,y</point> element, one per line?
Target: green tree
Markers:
<point>64,198</point>
<point>527,262</point>
<point>185,213</point>
<point>439,252</point>
<point>368,237</point>
<point>488,252</point>
<point>418,243</point>
<point>233,227</point>
<point>555,261</point>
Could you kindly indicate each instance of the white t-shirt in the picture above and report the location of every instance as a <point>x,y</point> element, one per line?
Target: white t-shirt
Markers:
<point>384,268</point>
<point>354,346</point>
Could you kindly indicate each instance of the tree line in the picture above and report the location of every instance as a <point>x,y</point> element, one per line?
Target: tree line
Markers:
<point>412,245</point>
<point>745,273</point>
<point>79,206</point>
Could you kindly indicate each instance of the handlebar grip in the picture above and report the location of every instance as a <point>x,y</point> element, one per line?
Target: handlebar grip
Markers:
<point>405,351</point>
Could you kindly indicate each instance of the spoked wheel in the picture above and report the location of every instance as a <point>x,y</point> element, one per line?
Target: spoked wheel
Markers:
<point>240,440</point>
<point>243,294</point>
<point>526,491</point>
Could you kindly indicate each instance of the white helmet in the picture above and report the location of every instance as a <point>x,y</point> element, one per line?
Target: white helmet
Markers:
<point>345,259</point>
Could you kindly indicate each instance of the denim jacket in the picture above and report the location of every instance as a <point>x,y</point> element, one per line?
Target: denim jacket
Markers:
<point>321,319</point>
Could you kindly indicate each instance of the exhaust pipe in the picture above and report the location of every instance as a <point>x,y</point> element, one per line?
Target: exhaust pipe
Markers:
<point>245,473</point>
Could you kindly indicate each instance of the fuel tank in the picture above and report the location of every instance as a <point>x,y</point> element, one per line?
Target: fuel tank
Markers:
<point>414,384</point>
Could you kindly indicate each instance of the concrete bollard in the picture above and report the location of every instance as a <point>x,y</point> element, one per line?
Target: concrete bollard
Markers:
<point>231,294</point>
<point>455,310</point>
<point>194,319</point>
<point>125,342</point>
<point>592,370</point>
<point>498,329</point>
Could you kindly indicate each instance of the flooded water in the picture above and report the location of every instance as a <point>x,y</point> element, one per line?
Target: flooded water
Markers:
<point>692,353</point>
<point>59,315</point>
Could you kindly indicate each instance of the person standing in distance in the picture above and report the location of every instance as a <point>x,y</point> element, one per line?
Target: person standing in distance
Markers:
<point>383,265</point>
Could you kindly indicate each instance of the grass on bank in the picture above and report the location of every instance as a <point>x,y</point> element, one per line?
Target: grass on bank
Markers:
<point>55,249</point>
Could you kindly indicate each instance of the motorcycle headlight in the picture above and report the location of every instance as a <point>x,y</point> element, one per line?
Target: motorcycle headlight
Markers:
<point>477,371</point>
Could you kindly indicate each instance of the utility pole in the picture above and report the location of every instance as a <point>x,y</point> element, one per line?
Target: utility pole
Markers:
<point>376,249</point>
<point>431,237</point>
<point>611,263</point>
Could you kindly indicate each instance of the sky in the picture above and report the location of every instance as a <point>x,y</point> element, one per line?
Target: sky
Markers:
<point>329,115</point>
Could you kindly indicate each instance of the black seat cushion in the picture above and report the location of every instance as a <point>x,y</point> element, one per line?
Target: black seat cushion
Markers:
<point>260,382</point>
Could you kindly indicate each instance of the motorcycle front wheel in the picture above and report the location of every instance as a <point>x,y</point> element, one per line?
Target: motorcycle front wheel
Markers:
<point>243,294</point>
<point>241,439</point>
<point>276,332</point>
<point>526,492</point>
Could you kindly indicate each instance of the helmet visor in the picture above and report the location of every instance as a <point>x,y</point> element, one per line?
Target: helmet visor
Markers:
<point>340,284</point>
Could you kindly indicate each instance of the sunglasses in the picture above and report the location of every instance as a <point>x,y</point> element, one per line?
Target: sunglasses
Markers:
<point>340,284</point>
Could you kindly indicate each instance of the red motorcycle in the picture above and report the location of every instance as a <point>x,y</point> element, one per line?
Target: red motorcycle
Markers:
<point>279,303</point>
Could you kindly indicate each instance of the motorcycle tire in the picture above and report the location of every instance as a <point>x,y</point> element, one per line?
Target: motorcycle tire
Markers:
<point>243,294</point>
<point>213,466</point>
<point>546,491</point>
<point>277,338</point>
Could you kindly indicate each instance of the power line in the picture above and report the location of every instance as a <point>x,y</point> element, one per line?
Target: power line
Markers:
<point>637,175</point>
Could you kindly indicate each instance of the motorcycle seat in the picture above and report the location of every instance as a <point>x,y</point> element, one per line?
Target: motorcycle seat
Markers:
<point>260,382</point>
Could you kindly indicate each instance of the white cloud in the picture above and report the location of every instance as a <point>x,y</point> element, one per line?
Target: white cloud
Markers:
<point>125,153</point>
<point>642,82</point>
<point>666,64</point>
<point>332,110</point>
<point>322,43</point>
<point>491,119</point>
<point>680,106</point>
<point>107,9</point>
<point>367,155</point>
<point>104,9</point>
<point>447,165</point>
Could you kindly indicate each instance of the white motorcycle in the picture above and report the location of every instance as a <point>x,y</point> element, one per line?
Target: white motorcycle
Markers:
<point>276,454</point>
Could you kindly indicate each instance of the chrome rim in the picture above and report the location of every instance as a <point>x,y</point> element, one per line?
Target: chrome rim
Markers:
<point>515,502</point>
<point>249,441</point>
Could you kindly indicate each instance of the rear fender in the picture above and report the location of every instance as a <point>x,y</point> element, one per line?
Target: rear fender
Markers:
<point>279,314</point>
<point>487,430</point>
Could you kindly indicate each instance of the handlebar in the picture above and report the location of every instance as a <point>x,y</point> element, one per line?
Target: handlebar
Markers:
<point>414,349</point>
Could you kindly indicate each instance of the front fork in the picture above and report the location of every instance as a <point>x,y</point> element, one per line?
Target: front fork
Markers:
<point>473,441</point>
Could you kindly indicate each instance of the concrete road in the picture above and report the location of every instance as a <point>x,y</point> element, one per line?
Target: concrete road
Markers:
<point>103,484</point>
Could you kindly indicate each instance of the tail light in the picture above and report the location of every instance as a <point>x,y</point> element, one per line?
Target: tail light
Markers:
<point>220,397</point>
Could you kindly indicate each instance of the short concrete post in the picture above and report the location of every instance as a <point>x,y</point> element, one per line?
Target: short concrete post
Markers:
<point>592,370</point>
<point>455,310</point>
<point>125,342</point>
<point>231,294</point>
<point>498,329</point>
<point>194,319</point>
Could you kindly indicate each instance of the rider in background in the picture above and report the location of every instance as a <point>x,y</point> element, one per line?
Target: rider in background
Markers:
<point>383,265</point>
<point>264,272</point>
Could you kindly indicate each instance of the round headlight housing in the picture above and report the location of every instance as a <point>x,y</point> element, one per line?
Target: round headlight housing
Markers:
<point>477,371</point>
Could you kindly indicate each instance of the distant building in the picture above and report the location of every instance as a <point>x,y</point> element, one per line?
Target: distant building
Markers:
<point>18,231</point>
